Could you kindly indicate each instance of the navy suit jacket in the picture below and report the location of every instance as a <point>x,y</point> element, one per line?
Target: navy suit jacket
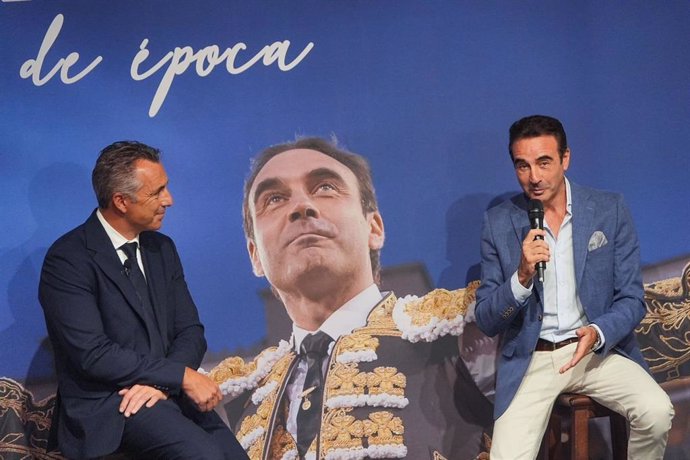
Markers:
<point>608,277</point>
<point>104,340</point>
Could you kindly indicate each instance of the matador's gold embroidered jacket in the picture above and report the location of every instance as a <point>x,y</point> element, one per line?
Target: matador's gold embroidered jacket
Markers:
<point>394,388</point>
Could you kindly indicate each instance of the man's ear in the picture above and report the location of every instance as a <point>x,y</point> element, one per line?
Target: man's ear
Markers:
<point>254,257</point>
<point>566,159</point>
<point>119,202</point>
<point>377,235</point>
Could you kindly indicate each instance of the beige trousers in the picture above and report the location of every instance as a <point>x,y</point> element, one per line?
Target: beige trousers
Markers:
<point>614,381</point>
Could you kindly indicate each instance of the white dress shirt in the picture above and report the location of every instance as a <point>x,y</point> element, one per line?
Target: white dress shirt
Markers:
<point>352,315</point>
<point>563,312</point>
<point>118,240</point>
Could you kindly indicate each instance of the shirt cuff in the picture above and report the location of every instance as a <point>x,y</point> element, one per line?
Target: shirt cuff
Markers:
<point>520,292</point>
<point>598,345</point>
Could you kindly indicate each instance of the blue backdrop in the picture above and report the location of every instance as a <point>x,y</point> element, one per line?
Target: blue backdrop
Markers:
<point>426,90</point>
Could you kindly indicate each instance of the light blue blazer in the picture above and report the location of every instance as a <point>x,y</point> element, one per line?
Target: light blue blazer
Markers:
<point>607,270</point>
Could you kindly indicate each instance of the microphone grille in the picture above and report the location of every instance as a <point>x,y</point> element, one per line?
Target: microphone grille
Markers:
<point>536,205</point>
<point>536,210</point>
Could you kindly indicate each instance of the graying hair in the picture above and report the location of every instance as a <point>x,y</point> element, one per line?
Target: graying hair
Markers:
<point>114,170</point>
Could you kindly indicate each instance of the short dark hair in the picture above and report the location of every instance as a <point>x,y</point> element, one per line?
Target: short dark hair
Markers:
<point>535,126</point>
<point>354,162</point>
<point>114,170</point>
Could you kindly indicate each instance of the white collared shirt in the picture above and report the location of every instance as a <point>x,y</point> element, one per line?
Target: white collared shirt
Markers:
<point>563,311</point>
<point>352,315</point>
<point>118,240</point>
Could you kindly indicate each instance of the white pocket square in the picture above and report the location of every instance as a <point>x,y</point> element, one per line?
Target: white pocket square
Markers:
<point>597,240</point>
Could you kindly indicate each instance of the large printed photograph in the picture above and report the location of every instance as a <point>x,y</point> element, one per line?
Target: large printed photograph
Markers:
<point>425,92</point>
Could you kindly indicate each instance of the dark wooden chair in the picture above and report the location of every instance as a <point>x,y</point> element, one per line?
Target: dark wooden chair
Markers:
<point>576,411</point>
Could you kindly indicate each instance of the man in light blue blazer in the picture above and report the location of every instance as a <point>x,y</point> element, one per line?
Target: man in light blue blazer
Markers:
<point>571,331</point>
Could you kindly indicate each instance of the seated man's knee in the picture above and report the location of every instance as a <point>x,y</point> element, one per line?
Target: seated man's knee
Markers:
<point>209,450</point>
<point>656,414</point>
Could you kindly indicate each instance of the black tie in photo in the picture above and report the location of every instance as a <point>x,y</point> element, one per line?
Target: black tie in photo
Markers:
<point>135,275</point>
<point>314,349</point>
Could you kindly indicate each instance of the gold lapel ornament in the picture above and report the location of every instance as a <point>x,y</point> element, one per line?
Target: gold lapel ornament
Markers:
<point>306,404</point>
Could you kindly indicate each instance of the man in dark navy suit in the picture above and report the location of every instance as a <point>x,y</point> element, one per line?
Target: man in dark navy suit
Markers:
<point>124,328</point>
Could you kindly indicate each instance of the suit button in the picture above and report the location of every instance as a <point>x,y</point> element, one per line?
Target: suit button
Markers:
<point>540,317</point>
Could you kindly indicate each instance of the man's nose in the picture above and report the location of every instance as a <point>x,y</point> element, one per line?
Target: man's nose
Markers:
<point>303,207</point>
<point>534,175</point>
<point>166,198</point>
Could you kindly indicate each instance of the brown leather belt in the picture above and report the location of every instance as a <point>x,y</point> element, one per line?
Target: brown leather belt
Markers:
<point>545,345</point>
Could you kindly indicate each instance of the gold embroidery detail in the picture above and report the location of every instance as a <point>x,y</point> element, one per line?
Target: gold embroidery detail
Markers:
<point>264,412</point>
<point>17,399</point>
<point>668,317</point>
<point>235,367</point>
<point>439,303</point>
<point>667,288</point>
<point>341,431</point>
<point>380,320</point>
<point>345,380</point>
<point>280,369</point>
<point>249,424</point>
<point>19,409</point>
<point>383,428</point>
<point>231,368</point>
<point>438,456</point>
<point>256,450</point>
<point>668,314</point>
<point>266,407</point>
<point>259,419</point>
<point>470,294</point>
<point>357,342</point>
<point>387,380</point>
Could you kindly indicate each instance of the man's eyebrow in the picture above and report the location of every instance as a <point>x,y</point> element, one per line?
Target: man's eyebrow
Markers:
<point>314,174</point>
<point>264,185</point>
<point>517,161</point>
<point>541,158</point>
<point>324,173</point>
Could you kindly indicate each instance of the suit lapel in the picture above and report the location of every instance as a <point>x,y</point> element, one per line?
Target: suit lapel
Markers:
<point>520,220</point>
<point>105,256</point>
<point>583,223</point>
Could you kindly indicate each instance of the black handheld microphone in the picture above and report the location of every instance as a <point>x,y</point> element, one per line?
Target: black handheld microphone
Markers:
<point>536,220</point>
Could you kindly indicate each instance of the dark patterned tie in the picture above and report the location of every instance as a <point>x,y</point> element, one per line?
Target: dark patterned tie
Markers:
<point>135,275</point>
<point>314,349</point>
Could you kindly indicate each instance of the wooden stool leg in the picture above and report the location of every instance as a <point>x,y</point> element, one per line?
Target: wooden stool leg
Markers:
<point>544,449</point>
<point>555,428</point>
<point>579,435</point>
<point>579,409</point>
<point>619,436</point>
